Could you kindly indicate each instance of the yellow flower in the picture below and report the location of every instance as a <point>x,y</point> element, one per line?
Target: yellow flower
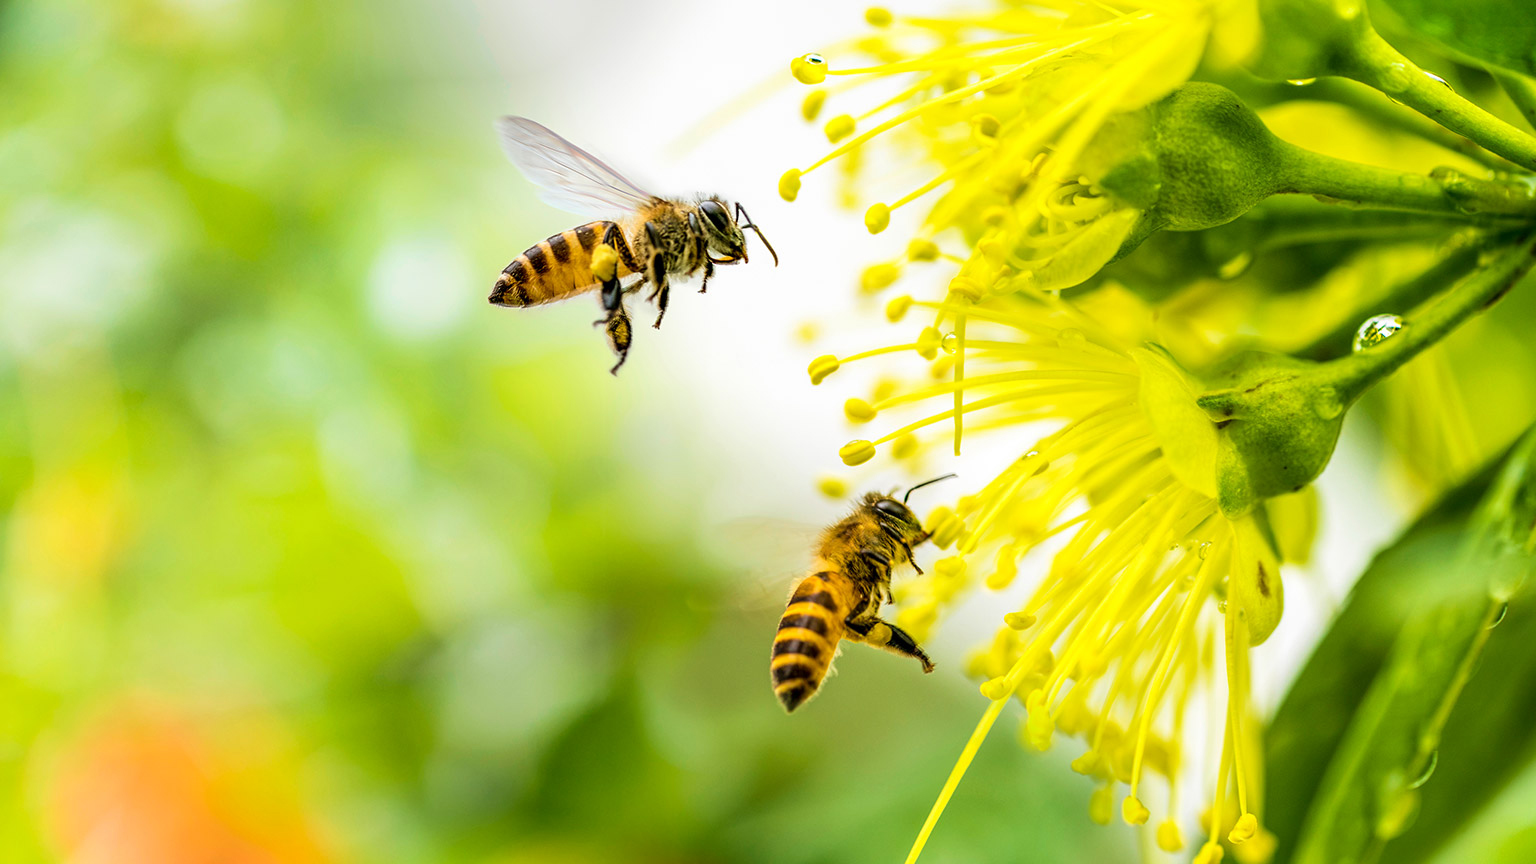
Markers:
<point>1154,597</point>
<point>1016,107</point>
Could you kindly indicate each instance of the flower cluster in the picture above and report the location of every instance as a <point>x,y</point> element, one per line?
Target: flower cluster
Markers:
<point>1073,146</point>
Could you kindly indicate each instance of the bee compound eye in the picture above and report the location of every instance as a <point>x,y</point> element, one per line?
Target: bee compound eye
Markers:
<point>714,211</point>
<point>891,507</point>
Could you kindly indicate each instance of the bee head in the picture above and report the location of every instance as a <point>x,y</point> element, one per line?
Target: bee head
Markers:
<point>898,514</point>
<point>724,233</point>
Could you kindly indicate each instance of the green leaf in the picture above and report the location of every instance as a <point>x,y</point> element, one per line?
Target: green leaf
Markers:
<point>1501,32</point>
<point>1446,592</point>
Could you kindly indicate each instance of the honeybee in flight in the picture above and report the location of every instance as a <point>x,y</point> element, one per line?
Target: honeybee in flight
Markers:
<point>654,237</point>
<point>850,580</point>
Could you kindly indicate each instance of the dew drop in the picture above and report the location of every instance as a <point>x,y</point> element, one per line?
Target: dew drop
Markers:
<point>1376,330</point>
<point>1236,267</point>
<point>1204,549</point>
<point>1396,78</point>
<point>1429,768</point>
<point>1301,82</point>
<point>1444,83</point>
<point>1498,615</point>
<point>950,343</point>
<point>1221,606</point>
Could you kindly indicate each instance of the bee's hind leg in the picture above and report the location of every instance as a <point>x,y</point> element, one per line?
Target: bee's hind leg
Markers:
<point>888,637</point>
<point>616,324</point>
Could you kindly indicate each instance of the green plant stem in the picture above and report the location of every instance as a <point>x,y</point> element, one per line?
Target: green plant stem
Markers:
<point>1351,376</point>
<point>1373,105</point>
<point>1405,295</point>
<point>1521,91</point>
<point>1445,191</point>
<point>1370,60</point>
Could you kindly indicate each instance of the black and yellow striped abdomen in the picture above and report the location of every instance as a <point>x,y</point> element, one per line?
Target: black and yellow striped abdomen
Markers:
<point>808,635</point>
<point>553,269</point>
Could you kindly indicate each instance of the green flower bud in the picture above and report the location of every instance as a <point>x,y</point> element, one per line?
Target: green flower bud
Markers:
<point>1276,427</point>
<point>1214,158</point>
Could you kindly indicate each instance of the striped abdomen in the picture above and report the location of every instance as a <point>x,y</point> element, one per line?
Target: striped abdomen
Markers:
<point>554,269</point>
<point>808,635</point>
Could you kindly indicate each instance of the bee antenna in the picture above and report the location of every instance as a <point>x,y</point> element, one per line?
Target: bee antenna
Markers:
<point>925,483</point>
<point>746,220</point>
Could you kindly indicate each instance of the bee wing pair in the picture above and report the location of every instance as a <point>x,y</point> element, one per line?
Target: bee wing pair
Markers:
<point>567,176</point>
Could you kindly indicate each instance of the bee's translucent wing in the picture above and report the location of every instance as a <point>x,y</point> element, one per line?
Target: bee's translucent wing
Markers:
<point>768,556</point>
<point>568,177</point>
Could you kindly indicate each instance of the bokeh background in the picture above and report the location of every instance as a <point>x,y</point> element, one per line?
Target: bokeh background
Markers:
<point>309,555</point>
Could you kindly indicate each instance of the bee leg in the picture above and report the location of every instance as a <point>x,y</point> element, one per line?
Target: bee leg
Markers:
<point>656,271</point>
<point>616,325</point>
<point>887,637</point>
<point>709,270</point>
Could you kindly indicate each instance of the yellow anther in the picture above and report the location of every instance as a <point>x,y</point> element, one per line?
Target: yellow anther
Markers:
<point>789,184</point>
<point>856,452</point>
<point>832,486</point>
<point>1101,806</point>
<point>944,527</point>
<point>807,331</point>
<point>996,688</point>
<point>918,618</point>
<point>1003,573</point>
<point>985,125</point>
<point>877,218</point>
<point>1086,764</point>
<point>840,127</point>
<point>905,447</point>
<point>811,106</point>
<point>1134,812</point>
<point>605,262</point>
<point>823,366</point>
<point>1019,620</point>
<point>1210,853</point>
<point>965,286</point>
<point>1247,826</point>
<point>858,411</point>
<point>897,308</point>
<point>809,68</point>
<point>994,250</point>
<point>878,277</point>
<point>878,16</point>
<point>923,250</point>
<point>928,342</point>
<point>1169,838</point>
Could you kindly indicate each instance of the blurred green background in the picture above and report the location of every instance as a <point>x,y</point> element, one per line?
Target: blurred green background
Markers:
<point>306,554</point>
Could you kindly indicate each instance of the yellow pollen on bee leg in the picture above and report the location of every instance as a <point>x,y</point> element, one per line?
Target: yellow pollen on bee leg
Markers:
<point>605,262</point>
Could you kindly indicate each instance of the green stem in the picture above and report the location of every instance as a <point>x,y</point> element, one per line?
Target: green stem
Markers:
<point>1370,60</point>
<point>1374,105</point>
<point>1351,376</point>
<point>1404,295</point>
<point>1442,191</point>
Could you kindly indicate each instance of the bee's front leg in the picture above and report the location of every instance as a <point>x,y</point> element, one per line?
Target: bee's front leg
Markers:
<point>656,271</point>
<point>709,270</point>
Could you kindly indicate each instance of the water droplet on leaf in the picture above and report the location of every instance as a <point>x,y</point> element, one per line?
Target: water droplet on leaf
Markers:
<point>1376,330</point>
